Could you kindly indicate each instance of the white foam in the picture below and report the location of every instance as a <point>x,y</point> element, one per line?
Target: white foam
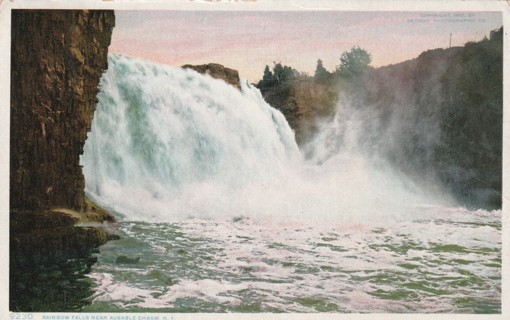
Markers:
<point>346,266</point>
<point>168,144</point>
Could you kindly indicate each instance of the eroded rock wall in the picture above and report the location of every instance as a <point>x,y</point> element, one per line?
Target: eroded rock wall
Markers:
<point>304,102</point>
<point>57,58</point>
<point>436,118</point>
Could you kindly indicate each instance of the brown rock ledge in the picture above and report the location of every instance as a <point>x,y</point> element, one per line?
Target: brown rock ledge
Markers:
<point>218,71</point>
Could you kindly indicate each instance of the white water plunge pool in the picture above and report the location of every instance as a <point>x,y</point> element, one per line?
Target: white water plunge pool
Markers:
<point>219,212</point>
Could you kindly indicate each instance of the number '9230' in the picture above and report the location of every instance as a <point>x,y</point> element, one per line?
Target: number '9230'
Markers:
<point>21,316</point>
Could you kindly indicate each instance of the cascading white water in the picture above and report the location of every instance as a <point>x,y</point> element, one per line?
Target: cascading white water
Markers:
<point>168,143</point>
<point>337,233</point>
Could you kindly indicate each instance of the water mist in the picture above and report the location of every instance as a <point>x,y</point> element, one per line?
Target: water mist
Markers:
<point>168,144</point>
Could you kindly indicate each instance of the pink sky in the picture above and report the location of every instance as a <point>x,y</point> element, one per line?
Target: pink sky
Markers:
<point>249,40</point>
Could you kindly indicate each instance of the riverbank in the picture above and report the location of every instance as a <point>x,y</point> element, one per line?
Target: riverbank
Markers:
<point>50,253</point>
<point>54,236</point>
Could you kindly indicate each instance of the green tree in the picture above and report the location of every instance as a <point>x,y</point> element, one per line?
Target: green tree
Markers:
<point>320,71</point>
<point>278,72</point>
<point>354,62</point>
<point>267,78</point>
<point>280,75</point>
<point>283,73</point>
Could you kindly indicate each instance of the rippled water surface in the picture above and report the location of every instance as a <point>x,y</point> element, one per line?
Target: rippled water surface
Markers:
<point>448,261</point>
<point>168,144</point>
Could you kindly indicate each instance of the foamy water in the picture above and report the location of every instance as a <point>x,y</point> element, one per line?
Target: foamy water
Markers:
<point>450,263</point>
<point>219,211</point>
<point>163,137</point>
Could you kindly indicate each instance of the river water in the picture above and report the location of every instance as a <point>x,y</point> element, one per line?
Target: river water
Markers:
<point>219,212</point>
<point>446,264</point>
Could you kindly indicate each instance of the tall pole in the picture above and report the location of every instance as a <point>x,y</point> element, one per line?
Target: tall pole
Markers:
<point>450,40</point>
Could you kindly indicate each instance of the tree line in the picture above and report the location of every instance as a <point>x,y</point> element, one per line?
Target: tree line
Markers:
<point>353,63</point>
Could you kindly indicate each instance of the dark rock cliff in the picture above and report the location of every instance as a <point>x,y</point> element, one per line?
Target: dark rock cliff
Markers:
<point>448,104</point>
<point>57,59</point>
<point>218,71</point>
<point>437,117</point>
<point>303,101</point>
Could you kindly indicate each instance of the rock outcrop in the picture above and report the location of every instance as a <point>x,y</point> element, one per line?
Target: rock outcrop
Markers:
<point>449,107</point>
<point>218,71</point>
<point>303,101</point>
<point>57,59</point>
<point>436,118</point>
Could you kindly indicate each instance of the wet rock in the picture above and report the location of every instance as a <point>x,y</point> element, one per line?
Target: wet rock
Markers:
<point>57,59</point>
<point>218,71</point>
<point>113,236</point>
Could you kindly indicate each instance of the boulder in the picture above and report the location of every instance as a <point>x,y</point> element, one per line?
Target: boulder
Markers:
<point>218,71</point>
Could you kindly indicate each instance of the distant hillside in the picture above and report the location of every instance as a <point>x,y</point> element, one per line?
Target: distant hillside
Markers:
<point>437,117</point>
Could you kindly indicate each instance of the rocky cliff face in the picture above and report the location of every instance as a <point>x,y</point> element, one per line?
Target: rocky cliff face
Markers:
<point>441,115</point>
<point>303,102</point>
<point>218,71</point>
<point>57,61</point>
<point>437,117</point>
<point>58,57</point>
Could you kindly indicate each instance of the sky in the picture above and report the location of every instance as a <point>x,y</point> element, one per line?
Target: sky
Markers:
<point>249,40</point>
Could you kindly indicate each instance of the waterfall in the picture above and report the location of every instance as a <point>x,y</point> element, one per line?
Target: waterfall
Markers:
<point>168,143</point>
